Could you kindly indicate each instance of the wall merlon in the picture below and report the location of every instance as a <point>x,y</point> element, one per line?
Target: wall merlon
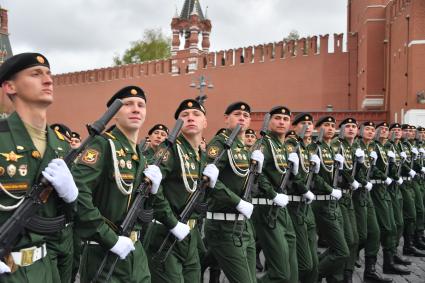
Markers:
<point>324,44</point>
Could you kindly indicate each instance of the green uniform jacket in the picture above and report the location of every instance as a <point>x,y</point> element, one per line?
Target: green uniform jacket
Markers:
<point>393,171</point>
<point>344,148</point>
<point>322,182</point>
<point>379,170</point>
<point>361,174</point>
<point>20,167</point>
<point>101,205</point>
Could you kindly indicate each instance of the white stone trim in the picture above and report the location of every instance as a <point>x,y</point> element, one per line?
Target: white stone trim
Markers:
<point>416,42</point>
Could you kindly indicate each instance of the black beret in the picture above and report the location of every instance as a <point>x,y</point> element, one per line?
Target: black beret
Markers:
<point>369,124</point>
<point>395,126</point>
<point>383,124</point>
<point>221,131</point>
<point>75,135</point>
<point>21,62</point>
<point>61,130</point>
<point>237,106</point>
<point>420,129</point>
<point>250,132</point>
<point>280,110</point>
<point>189,104</point>
<point>412,127</point>
<point>158,127</point>
<point>325,119</point>
<point>405,126</point>
<point>302,117</point>
<point>290,133</point>
<point>347,121</point>
<point>128,91</point>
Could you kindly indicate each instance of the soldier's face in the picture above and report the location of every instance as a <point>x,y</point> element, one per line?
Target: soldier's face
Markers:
<point>384,132</point>
<point>132,114</point>
<point>240,117</point>
<point>32,86</point>
<point>412,134</point>
<point>309,130</point>
<point>75,143</point>
<point>194,121</point>
<point>157,137</point>
<point>250,139</point>
<point>279,123</point>
<point>350,130</point>
<point>397,133</point>
<point>423,136</point>
<point>328,130</point>
<point>368,133</point>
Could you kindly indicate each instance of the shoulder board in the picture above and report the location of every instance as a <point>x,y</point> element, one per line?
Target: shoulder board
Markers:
<point>59,135</point>
<point>224,135</point>
<point>108,134</point>
<point>178,142</point>
<point>4,126</point>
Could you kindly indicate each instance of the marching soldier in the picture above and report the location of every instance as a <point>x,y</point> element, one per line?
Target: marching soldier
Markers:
<point>225,205</point>
<point>157,134</point>
<point>300,200</point>
<point>250,138</point>
<point>75,140</point>
<point>29,148</point>
<point>326,209</point>
<point>108,173</point>
<point>274,229</point>
<point>348,184</point>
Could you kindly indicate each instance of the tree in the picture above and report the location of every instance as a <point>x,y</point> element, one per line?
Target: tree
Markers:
<point>154,45</point>
<point>293,35</point>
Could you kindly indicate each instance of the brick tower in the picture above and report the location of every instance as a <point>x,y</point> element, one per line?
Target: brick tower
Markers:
<point>5,49</point>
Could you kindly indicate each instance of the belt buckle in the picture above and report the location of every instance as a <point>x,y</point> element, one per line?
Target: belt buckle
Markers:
<point>27,256</point>
<point>191,223</point>
<point>133,236</point>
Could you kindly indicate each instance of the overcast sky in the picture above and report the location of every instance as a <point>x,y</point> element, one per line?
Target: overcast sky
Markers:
<point>79,35</point>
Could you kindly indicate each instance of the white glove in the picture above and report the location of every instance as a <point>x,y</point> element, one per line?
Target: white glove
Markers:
<point>211,171</point>
<point>308,197</point>
<point>368,186</point>
<point>388,181</point>
<point>153,173</point>
<point>4,268</point>
<point>391,155</point>
<point>281,200</point>
<point>423,170</point>
<point>400,181</point>
<point>123,247</point>
<point>359,155</point>
<point>374,157</point>
<point>415,152</point>
<point>412,173</point>
<point>403,155</point>
<point>245,208</point>
<point>422,151</point>
<point>58,174</point>
<point>293,157</point>
<point>340,159</point>
<point>336,194</point>
<point>181,230</point>
<point>316,160</point>
<point>259,157</point>
<point>355,185</point>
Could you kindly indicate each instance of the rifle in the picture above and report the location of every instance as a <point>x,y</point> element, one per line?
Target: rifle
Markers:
<point>310,171</point>
<point>341,136</point>
<point>25,216</point>
<point>273,212</point>
<point>169,241</point>
<point>392,138</point>
<point>142,193</point>
<point>238,226</point>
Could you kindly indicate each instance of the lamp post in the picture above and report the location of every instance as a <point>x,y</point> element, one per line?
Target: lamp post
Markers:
<point>201,83</point>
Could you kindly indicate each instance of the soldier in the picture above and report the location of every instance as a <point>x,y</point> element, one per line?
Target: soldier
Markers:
<point>367,224</point>
<point>300,200</point>
<point>181,168</point>
<point>108,173</point>
<point>348,184</point>
<point>326,210</point>
<point>225,206</point>
<point>75,140</point>
<point>157,134</point>
<point>250,138</point>
<point>29,147</point>
<point>274,229</point>
<point>382,200</point>
<point>291,135</point>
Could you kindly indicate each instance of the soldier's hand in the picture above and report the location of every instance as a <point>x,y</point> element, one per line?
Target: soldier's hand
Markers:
<point>58,174</point>
<point>123,247</point>
<point>368,186</point>
<point>355,185</point>
<point>391,155</point>
<point>259,157</point>
<point>211,171</point>
<point>295,160</point>
<point>308,197</point>
<point>422,151</point>
<point>412,173</point>
<point>337,194</point>
<point>4,268</point>
<point>359,155</point>
<point>281,200</point>
<point>403,155</point>
<point>415,152</point>
<point>245,208</point>
<point>388,181</point>
<point>316,161</point>
<point>181,230</point>
<point>340,159</point>
<point>374,156</point>
<point>153,173</point>
<point>400,180</point>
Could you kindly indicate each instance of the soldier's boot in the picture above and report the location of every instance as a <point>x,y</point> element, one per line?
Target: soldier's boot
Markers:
<point>215,275</point>
<point>389,267</point>
<point>370,275</point>
<point>399,259</point>
<point>409,248</point>
<point>417,241</point>
<point>348,276</point>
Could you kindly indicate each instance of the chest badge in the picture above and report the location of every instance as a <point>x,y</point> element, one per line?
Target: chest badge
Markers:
<point>11,170</point>
<point>23,170</point>
<point>2,171</point>
<point>11,156</point>
<point>129,164</point>
<point>120,153</point>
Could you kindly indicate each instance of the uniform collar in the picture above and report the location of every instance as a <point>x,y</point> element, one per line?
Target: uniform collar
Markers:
<point>122,139</point>
<point>275,137</point>
<point>184,142</point>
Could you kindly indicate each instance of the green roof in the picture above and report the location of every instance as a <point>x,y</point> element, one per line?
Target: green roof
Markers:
<point>188,7</point>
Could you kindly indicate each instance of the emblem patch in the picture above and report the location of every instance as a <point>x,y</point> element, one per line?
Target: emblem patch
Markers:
<point>11,170</point>
<point>90,156</point>
<point>11,156</point>
<point>23,170</point>
<point>213,151</point>
<point>129,164</point>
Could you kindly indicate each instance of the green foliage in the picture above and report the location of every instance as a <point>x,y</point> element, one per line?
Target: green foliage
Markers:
<point>154,45</point>
<point>293,35</point>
